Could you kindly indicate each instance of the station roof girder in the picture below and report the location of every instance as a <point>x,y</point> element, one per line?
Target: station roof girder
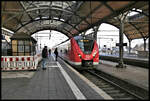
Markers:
<point>73,17</point>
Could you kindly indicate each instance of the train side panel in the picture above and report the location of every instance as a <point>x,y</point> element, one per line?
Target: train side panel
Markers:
<point>96,57</point>
<point>74,57</point>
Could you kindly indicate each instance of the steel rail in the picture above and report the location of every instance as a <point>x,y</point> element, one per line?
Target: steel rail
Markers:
<point>114,84</point>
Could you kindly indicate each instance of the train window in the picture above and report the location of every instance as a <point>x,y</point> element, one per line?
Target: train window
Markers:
<point>86,45</point>
<point>84,40</point>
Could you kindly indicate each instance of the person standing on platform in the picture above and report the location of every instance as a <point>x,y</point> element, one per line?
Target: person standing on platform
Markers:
<point>56,53</point>
<point>49,52</point>
<point>44,56</point>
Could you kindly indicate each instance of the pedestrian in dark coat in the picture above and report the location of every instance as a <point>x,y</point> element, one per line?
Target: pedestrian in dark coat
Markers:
<point>49,52</point>
<point>44,56</point>
<point>56,53</point>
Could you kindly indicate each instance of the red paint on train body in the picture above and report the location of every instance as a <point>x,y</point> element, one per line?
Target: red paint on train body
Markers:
<point>80,52</point>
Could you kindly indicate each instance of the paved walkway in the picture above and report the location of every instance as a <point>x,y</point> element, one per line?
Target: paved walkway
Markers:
<point>44,84</point>
<point>56,82</point>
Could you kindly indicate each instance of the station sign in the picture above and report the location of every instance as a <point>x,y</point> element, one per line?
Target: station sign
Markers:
<point>118,44</point>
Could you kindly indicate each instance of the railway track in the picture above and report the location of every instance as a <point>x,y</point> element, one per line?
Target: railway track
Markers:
<point>113,89</point>
<point>116,88</point>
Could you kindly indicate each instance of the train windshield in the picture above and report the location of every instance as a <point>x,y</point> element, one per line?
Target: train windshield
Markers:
<point>86,45</point>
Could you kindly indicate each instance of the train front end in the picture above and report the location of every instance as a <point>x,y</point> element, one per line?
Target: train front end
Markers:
<point>87,50</point>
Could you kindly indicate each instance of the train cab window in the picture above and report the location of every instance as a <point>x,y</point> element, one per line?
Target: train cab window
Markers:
<point>86,45</point>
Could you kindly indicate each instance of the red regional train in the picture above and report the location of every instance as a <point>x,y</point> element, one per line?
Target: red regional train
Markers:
<point>82,52</point>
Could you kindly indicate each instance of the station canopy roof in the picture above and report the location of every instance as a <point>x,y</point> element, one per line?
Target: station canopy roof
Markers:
<point>73,17</point>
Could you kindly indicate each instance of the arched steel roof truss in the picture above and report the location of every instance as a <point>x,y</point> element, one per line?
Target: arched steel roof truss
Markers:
<point>74,17</point>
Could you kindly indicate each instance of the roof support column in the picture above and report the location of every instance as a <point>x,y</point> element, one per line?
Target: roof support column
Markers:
<point>120,63</point>
<point>95,28</point>
<point>130,46</point>
<point>144,44</point>
<point>148,44</point>
<point>83,33</point>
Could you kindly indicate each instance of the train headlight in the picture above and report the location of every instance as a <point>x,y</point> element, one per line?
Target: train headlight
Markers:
<point>79,55</point>
<point>94,53</point>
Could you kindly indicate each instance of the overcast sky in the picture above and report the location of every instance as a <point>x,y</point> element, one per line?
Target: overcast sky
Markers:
<point>56,38</point>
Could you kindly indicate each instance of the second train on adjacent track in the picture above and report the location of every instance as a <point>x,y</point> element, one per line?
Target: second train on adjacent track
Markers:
<point>82,52</point>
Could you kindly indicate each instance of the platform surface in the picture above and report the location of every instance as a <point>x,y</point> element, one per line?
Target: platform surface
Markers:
<point>135,75</point>
<point>127,56</point>
<point>56,82</point>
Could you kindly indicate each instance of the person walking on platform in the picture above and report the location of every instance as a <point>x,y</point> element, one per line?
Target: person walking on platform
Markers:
<point>44,56</point>
<point>56,53</point>
<point>49,52</point>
